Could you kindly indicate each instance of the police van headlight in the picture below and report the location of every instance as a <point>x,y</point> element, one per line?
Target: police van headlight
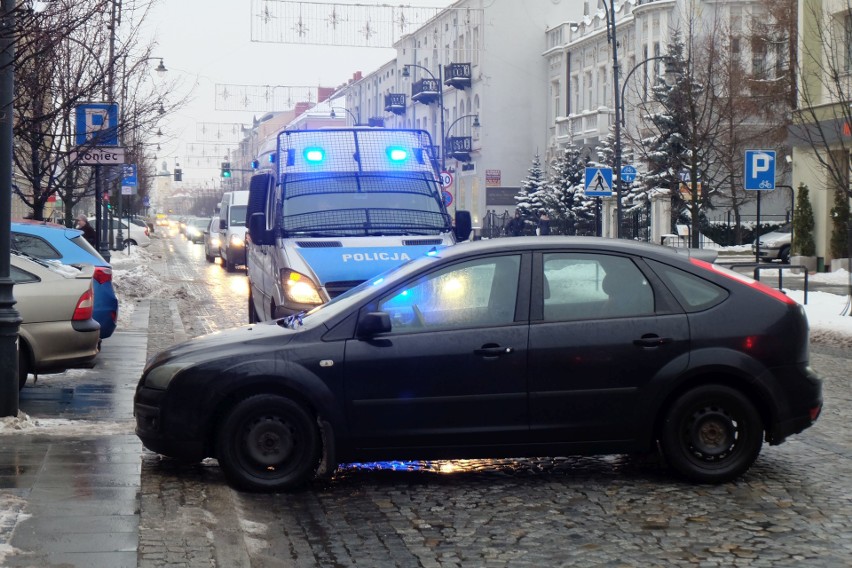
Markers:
<point>237,241</point>
<point>298,288</point>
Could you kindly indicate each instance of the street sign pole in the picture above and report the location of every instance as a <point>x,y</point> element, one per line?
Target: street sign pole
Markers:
<point>100,220</point>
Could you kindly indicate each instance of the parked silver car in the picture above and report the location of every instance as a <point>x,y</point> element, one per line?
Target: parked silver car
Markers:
<point>56,304</point>
<point>211,239</point>
<point>775,245</point>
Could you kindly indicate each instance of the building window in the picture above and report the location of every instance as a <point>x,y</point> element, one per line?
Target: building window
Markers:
<point>588,80</point>
<point>554,89</point>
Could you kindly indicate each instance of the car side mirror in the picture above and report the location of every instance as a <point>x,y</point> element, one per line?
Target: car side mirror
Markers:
<point>257,229</point>
<point>223,224</point>
<point>464,225</point>
<point>374,323</point>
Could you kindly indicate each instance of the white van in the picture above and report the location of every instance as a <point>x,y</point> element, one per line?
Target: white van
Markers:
<point>336,207</point>
<point>232,229</point>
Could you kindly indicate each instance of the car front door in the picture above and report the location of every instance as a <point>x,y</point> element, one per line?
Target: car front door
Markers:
<point>453,370</point>
<point>601,333</point>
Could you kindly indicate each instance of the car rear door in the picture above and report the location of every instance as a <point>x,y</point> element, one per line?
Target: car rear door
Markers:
<point>453,370</point>
<point>604,334</point>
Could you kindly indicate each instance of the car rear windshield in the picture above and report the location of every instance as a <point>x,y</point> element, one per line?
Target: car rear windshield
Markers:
<point>84,244</point>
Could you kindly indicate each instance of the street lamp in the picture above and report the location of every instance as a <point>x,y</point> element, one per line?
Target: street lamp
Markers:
<point>666,58</point>
<point>332,114</point>
<point>468,147</point>
<point>440,85</point>
<point>611,38</point>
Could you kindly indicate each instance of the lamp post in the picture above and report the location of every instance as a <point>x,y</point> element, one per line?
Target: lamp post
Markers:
<point>407,73</point>
<point>349,112</point>
<point>611,38</point>
<point>475,124</point>
<point>665,58</point>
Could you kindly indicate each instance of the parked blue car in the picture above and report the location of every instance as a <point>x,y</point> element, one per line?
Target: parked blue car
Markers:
<point>55,242</point>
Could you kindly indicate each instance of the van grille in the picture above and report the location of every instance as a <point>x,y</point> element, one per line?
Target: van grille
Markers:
<point>335,289</point>
<point>319,244</point>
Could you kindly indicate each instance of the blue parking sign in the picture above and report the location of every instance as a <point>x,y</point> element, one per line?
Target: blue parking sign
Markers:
<point>96,124</point>
<point>759,170</point>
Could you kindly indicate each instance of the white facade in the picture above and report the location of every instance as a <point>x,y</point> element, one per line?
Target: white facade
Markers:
<point>503,42</point>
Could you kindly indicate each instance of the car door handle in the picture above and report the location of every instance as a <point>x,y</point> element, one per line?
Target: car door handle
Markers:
<point>493,351</point>
<point>651,340</point>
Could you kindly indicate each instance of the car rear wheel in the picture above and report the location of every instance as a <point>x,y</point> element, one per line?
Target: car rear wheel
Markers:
<point>129,242</point>
<point>268,443</point>
<point>712,434</point>
<point>23,365</point>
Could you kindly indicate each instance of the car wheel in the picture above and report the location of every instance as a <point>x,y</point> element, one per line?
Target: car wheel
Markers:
<point>252,313</point>
<point>784,255</point>
<point>712,434</point>
<point>128,242</point>
<point>268,443</point>
<point>23,365</point>
<point>229,265</point>
<point>210,258</point>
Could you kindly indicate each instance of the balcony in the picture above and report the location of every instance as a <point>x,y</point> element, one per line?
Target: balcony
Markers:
<point>395,103</point>
<point>459,147</point>
<point>457,75</point>
<point>426,91</point>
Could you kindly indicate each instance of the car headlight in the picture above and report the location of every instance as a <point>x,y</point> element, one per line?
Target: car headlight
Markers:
<point>299,288</point>
<point>237,241</point>
<point>160,377</point>
<point>215,241</point>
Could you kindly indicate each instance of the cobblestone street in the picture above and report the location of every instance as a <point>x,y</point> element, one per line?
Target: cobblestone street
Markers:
<point>794,508</point>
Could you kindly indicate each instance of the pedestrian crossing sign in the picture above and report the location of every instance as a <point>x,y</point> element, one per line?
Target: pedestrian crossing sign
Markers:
<point>599,182</point>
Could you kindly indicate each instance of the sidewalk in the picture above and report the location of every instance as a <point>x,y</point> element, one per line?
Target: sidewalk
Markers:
<point>69,491</point>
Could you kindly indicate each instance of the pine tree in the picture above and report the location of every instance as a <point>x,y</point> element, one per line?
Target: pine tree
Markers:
<point>529,199</point>
<point>570,209</point>
<point>803,224</point>
<point>840,225</point>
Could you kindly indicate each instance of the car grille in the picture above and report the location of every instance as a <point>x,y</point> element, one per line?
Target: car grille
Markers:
<point>335,289</point>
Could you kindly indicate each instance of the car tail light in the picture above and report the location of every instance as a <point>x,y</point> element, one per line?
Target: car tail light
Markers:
<point>146,232</point>
<point>742,278</point>
<point>85,306</point>
<point>102,275</point>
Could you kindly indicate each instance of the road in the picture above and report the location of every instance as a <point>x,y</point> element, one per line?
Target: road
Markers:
<point>794,508</point>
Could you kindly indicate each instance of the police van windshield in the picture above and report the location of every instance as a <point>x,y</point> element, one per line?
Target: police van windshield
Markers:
<point>363,204</point>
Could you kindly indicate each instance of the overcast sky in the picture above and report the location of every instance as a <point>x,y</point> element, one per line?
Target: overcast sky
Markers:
<point>205,42</point>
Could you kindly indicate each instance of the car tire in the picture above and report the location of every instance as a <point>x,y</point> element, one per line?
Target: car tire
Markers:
<point>268,443</point>
<point>230,266</point>
<point>211,259</point>
<point>784,255</point>
<point>128,242</point>
<point>711,434</point>
<point>23,365</point>
<point>252,313</point>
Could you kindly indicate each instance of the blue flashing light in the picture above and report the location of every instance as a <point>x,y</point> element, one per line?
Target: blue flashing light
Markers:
<point>397,154</point>
<point>378,281</point>
<point>314,155</point>
<point>432,252</point>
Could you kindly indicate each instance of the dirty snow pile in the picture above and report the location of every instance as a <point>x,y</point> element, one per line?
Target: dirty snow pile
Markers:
<point>24,424</point>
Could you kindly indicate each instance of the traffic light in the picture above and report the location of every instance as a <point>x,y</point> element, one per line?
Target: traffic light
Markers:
<point>226,169</point>
<point>178,174</point>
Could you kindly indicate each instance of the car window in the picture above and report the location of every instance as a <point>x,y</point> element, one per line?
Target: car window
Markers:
<point>20,276</point>
<point>81,242</point>
<point>693,293</point>
<point>34,246</point>
<point>470,294</point>
<point>590,286</point>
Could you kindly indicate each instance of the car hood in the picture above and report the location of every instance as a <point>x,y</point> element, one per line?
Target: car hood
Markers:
<point>240,340</point>
<point>775,236</point>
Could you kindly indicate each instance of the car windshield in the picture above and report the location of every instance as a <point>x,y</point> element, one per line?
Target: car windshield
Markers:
<point>344,301</point>
<point>237,215</point>
<point>382,203</point>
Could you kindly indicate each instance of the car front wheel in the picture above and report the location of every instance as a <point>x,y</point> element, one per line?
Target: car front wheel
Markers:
<point>712,434</point>
<point>23,366</point>
<point>268,443</point>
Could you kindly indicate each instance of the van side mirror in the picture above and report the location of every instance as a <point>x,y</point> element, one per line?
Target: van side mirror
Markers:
<point>257,229</point>
<point>464,225</point>
<point>223,224</point>
<point>374,323</point>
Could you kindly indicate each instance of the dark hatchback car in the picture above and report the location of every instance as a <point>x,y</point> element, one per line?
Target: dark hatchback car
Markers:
<point>498,348</point>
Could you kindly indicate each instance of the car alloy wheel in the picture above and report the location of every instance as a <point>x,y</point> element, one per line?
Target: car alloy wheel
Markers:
<point>268,443</point>
<point>712,434</point>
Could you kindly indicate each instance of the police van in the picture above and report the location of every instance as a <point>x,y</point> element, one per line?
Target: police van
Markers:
<point>334,207</point>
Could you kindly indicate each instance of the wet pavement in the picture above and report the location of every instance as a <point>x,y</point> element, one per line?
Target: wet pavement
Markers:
<point>69,492</point>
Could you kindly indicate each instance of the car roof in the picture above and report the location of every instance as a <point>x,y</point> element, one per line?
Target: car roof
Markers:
<point>591,244</point>
<point>59,237</point>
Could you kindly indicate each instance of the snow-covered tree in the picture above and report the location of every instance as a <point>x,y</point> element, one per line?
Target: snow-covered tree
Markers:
<point>569,208</point>
<point>529,199</point>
